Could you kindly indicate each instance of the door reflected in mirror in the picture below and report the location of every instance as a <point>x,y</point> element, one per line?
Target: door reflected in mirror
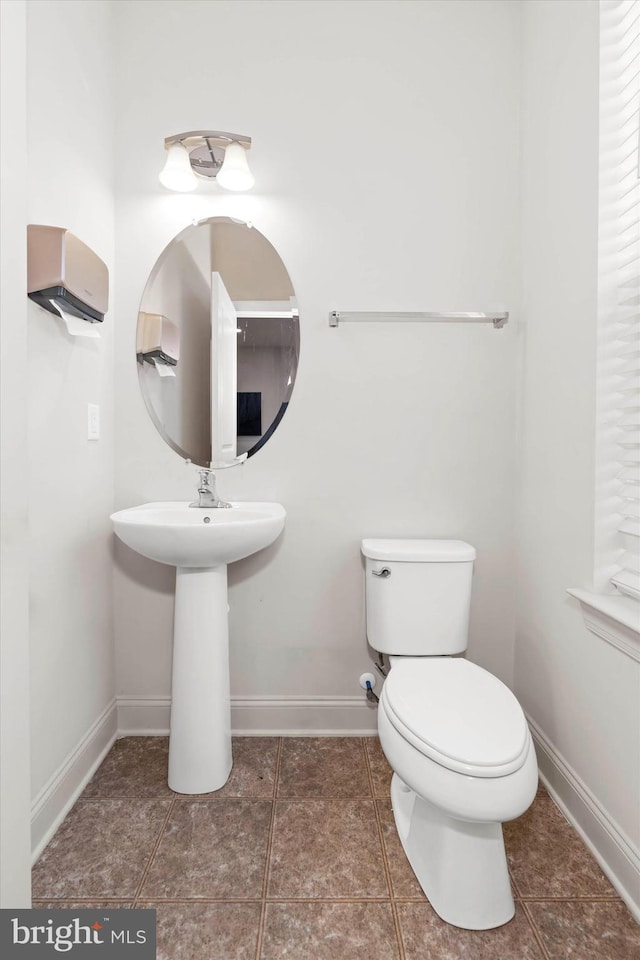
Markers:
<point>218,341</point>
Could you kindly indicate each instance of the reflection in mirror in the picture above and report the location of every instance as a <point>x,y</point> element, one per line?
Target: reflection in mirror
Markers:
<point>218,342</point>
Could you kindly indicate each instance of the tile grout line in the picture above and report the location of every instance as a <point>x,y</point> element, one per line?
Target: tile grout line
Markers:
<point>203,798</point>
<point>514,883</point>
<point>274,900</point>
<point>288,899</point>
<point>587,899</point>
<point>156,845</point>
<point>534,929</point>
<point>62,901</point>
<point>267,865</point>
<point>385,859</point>
<point>127,796</point>
<point>231,900</point>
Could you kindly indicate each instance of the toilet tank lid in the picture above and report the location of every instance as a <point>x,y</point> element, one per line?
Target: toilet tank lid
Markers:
<point>434,551</point>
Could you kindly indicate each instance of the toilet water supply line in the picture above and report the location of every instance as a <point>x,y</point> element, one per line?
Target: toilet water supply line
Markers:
<point>371,697</point>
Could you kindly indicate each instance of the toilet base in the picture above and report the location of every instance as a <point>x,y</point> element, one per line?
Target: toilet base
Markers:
<point>460,865</point>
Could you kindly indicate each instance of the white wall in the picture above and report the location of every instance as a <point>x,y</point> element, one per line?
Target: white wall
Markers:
<point>15,841</point>
<point>385,150</point>
<point>70,165</point>
<point>580,692</point>
<point>391,432</point>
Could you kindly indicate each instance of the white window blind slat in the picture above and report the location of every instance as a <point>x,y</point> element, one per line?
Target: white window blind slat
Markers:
<point>620,224</point>
<point>630,419</point>
<point>627,582</point>
<point>631,444</point>
<point>630,527</point>
<point>630,475</point>
<point>630,365</point>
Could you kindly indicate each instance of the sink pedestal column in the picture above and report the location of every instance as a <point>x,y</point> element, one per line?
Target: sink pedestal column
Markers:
<point>200,741</point>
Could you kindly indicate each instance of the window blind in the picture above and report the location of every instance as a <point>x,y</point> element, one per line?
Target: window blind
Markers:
<point>620,119</point>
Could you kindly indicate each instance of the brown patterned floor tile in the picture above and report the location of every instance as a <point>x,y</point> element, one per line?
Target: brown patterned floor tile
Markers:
<point>211,849</point>
<point>403,879</point>
<point>326,848</point>
<point>254,768</point>
<point>134,767</point>
<point>100,850</point>
<point>586,931</point>
<point>547,857</point>
<point>427,937</point>
<point>329,931</point>
<point>323,767</point>
<point>206,931</point>
<point>381,772</point>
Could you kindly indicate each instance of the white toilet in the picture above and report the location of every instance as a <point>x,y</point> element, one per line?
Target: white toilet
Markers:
<point>455,735</point>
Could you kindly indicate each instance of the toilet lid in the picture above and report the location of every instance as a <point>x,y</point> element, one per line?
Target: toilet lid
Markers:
<point>457,714</point>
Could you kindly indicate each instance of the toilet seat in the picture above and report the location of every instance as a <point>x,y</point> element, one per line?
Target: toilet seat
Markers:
<point>457,714</point>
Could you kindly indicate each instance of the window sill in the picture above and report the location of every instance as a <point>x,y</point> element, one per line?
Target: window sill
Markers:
<point>615,619</point>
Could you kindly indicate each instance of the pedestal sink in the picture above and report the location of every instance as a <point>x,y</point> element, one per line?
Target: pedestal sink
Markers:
<point>199,543</point>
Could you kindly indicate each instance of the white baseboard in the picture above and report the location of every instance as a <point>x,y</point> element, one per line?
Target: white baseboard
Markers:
<point>612,848</point>
<point>56,798</point>
<point>261,716</point>
<point>143,716</point>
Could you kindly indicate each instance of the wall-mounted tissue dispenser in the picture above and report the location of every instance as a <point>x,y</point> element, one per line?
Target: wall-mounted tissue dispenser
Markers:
<point>158,340</point>
<point>64,275</point>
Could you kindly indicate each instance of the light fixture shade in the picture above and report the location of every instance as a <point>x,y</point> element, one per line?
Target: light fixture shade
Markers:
<point>234,174</point>
<point>177,173</point>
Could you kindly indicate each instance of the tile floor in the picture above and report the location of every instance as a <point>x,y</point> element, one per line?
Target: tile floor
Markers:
<point>297,857</point>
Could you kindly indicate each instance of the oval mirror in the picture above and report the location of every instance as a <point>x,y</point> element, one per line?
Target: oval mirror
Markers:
<point>217,342</point>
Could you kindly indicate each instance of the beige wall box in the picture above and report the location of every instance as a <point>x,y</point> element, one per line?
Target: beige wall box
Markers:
<point>158,339</point>
<point>65,275</point>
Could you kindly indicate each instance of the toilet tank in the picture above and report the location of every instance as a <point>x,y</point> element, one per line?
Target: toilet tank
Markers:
<point>420,607</point>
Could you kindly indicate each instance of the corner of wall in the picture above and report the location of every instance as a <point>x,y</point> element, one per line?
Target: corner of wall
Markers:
<point>15,881</point>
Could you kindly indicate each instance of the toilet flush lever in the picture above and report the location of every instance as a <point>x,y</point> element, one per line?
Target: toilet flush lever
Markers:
<point>384,573</point>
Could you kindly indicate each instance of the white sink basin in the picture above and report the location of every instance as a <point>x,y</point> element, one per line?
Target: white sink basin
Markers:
<point>175,533</point>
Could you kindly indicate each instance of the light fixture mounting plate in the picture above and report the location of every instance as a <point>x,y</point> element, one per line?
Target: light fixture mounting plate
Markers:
<point>206,149</point>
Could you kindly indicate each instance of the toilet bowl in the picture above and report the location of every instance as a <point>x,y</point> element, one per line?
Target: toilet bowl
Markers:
<point>462,765</point>
<point>454,735</point>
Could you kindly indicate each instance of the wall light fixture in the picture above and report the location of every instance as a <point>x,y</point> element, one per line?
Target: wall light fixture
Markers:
<point>206,155</point>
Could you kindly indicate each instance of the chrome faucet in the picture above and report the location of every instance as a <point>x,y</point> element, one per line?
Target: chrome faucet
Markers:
<point>207,496</point>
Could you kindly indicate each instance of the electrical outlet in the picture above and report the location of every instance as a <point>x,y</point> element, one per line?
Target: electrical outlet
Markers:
<point>93,421</point>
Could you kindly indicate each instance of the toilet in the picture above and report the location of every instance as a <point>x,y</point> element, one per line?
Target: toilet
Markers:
<point>455,736</point>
